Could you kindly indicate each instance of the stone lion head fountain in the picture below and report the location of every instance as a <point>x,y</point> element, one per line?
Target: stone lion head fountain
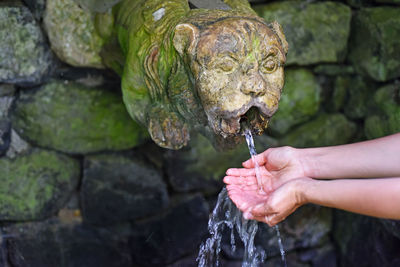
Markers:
<point>189,69</point>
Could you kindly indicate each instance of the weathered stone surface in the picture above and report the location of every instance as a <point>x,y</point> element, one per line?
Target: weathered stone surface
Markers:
<point>37,8</point>
<point>201,167</point>
<point>325,130</point>
<point>363,241</point>
<point>72,33</point>
<point>70,117</point>
<point>35,185</point>
<point>316,31</point>
<point>334,69</point>
<point>6,99</point>
<point>17,145</point>
<point>5,135</point>
<point>6,90</point>
<point>178,233</point>
<point>375,42</point>
<point>119,188</point>
<point>53,243</point>
<point>3,249</point>
<point>354,94</point>
<point>24,55</point>
<point>101,6</point>
<point>299,101</point>
<point>5,104</point>
<point>385,116</point>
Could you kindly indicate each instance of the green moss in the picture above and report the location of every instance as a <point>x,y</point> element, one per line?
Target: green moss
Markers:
<point>23,55</point>
<point>73,118</point>
<point>325,130</point>
<point>35,185</point>
<point>72,33</point>
<point>300,100</point>
<point>316,32</point>
<point>354,94</point>
<point>385,117</point>
<point>375,43</point>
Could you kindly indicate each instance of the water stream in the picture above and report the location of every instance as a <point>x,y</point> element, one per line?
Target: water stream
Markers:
<point>225,214</point>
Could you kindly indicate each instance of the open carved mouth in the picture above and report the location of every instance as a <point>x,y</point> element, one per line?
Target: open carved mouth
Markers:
<point>253,119</point>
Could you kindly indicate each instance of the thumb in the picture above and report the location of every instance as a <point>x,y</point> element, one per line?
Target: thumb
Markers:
<point>259,159</point>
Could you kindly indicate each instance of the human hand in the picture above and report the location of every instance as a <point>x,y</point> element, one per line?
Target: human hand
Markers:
<point>281,163</point>
<point>272,207</point>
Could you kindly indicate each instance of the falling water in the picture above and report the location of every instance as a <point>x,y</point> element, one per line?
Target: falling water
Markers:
<point>225,214</point>
<point>253,153</point>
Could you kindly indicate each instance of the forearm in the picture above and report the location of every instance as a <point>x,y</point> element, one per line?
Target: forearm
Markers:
<point>374,158</point>
<point>373,197</point>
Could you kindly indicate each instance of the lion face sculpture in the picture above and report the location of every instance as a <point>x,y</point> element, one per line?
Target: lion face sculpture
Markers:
<point>238,68</point>
<point>185,69</point>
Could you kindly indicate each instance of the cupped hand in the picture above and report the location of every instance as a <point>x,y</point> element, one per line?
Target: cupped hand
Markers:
<point>281,203</point>
<point>281,164</point>
<point>269,207</point>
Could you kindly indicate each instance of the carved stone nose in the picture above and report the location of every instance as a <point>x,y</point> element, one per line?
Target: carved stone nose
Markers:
<point>254,84</point>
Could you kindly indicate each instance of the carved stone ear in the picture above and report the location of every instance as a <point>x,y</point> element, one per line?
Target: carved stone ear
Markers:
<point>185,38</point>
<point>278,31</point>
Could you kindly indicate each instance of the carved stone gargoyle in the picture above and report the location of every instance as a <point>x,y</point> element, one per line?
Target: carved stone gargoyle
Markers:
<point>198,69</point>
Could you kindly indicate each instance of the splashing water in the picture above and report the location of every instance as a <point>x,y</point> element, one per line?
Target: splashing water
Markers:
<point>225,214</point>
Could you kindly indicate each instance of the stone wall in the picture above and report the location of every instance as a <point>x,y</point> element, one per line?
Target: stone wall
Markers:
<point>81,184</point>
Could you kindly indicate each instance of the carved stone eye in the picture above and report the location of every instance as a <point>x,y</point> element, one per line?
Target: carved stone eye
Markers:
<point>226,64</point>
<point>269,65</point>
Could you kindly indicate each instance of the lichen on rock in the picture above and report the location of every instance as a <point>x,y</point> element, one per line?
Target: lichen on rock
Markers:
<point>35,185</point>
<point>24,55</point>
<point>72,33</point>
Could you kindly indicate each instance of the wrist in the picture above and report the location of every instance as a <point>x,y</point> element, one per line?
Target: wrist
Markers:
<point>309,158</point>
<point>301,190</point>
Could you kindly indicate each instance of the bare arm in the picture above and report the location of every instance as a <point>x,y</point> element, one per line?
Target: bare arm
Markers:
<point>373,197</point>
<point>374,158</point>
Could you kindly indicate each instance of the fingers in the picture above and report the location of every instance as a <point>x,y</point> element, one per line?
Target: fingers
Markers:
<point>246,172</point>
<point>260,160</point>
<point>240,172</point>
<point>234,180</point>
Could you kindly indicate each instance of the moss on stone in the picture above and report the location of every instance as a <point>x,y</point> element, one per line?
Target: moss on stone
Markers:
<point>316,32</point>
<point>353,93</point>
<point>24,55</point>
<point>300,100</point>
<point>385,118</point>
<point>375,42</point>
<point>325,130</point>
<point>70,117</point>
<point>35,185</point>
<point>72,33</point>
